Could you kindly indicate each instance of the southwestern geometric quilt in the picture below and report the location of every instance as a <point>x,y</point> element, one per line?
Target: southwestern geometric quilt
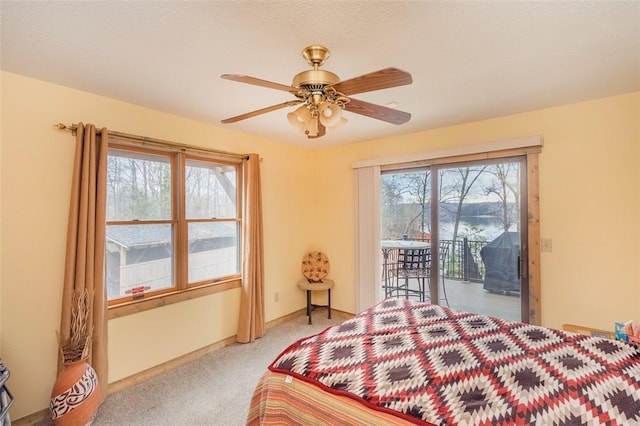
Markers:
<point>433,365</point>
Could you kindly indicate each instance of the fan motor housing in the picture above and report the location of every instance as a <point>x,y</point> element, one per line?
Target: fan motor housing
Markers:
<point>315,78</point>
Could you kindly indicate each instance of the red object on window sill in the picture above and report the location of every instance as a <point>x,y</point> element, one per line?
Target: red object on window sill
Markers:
<point>138,290</point>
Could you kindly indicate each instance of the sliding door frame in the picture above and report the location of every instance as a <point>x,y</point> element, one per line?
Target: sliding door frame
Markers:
<point>530,216</point>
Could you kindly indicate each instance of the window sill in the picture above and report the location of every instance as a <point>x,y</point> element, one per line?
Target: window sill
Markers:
<point>170,298</point>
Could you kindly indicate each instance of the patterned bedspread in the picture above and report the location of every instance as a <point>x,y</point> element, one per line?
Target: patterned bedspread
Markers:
<point>433,365</point>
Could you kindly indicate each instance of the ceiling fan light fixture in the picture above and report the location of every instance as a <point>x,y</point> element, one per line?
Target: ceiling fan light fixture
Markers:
<point>341,123</point>
<point>295,122</point>
<point>312,127</point>
<point>330,114</point>
<point>299,118</point>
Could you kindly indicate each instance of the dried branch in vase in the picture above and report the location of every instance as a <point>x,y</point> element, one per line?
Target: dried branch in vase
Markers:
<point>78,345</point>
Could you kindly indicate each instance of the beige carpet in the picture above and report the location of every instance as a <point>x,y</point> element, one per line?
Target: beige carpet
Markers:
<point>214,390</point>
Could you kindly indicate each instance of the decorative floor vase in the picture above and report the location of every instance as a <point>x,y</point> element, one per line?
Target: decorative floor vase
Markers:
<point>76,396</point>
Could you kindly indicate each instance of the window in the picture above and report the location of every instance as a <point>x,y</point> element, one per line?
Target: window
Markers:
<point>173,222</point>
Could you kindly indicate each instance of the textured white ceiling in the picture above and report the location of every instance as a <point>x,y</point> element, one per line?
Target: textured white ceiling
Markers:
<point>469,60</point>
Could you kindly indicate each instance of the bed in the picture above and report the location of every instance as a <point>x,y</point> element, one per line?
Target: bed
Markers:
<point>404,362</point>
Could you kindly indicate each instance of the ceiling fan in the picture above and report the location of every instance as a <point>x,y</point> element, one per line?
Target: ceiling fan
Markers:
<point>322,96</point>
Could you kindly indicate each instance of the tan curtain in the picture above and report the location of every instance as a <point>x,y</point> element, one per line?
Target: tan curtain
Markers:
<point>84,267</point>
<point>251,322</point>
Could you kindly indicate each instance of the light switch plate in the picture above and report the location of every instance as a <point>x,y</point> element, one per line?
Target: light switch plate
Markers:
<point>545,244</point>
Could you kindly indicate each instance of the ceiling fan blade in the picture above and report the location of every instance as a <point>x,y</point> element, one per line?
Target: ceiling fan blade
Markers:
<point>377,80</point>
<point>260,111</point>
<point>378,112</point>
<point>258,82</point>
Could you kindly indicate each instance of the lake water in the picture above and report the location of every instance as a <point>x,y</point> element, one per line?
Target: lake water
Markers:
<point>474,228</point>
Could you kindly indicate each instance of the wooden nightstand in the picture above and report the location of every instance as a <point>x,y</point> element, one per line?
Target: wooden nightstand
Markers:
<point>588,331</point>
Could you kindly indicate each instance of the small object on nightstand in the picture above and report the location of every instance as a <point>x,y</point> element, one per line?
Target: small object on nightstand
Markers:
<point>620,334</point>
<point>628,332</point>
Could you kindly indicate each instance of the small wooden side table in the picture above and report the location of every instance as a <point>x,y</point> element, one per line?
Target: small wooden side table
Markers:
<point>325,284</point>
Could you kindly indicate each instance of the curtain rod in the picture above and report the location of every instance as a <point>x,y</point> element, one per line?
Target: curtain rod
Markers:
<point>74,128</point>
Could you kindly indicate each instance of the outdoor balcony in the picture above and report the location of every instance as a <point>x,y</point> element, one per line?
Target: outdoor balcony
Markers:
<point>464,279</point>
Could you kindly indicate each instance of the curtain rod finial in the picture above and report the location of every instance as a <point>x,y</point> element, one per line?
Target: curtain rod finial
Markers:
<point>60,126</point>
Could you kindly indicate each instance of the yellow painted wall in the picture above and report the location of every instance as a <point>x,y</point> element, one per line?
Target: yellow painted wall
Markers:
<point>590,207</point>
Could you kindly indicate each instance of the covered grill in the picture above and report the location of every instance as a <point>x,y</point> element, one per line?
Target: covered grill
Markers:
<point>500,259</point>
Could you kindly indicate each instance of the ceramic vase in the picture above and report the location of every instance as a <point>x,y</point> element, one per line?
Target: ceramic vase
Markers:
<point>76,396</point>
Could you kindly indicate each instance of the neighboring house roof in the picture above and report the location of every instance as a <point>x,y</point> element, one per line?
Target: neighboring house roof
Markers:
<point>134,236</point>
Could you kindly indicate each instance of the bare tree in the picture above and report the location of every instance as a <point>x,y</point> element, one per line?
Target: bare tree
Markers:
<point>138,188</point>
<point>419,184</point>
<point>457,188</point>
<point>405,203</point>
<point>507,188</point>
<point>394,193</point>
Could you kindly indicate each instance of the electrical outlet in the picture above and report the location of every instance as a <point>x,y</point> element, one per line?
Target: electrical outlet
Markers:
<point>545,244</point>
<point>276,297</point>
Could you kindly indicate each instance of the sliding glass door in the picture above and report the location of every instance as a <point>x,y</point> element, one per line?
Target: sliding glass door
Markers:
<point>471,215</point>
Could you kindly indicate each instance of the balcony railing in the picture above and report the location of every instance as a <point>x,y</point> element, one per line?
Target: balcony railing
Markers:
<point>464,262</point>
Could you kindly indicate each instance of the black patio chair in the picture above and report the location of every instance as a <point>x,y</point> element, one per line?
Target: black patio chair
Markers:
<point>412,264</point>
